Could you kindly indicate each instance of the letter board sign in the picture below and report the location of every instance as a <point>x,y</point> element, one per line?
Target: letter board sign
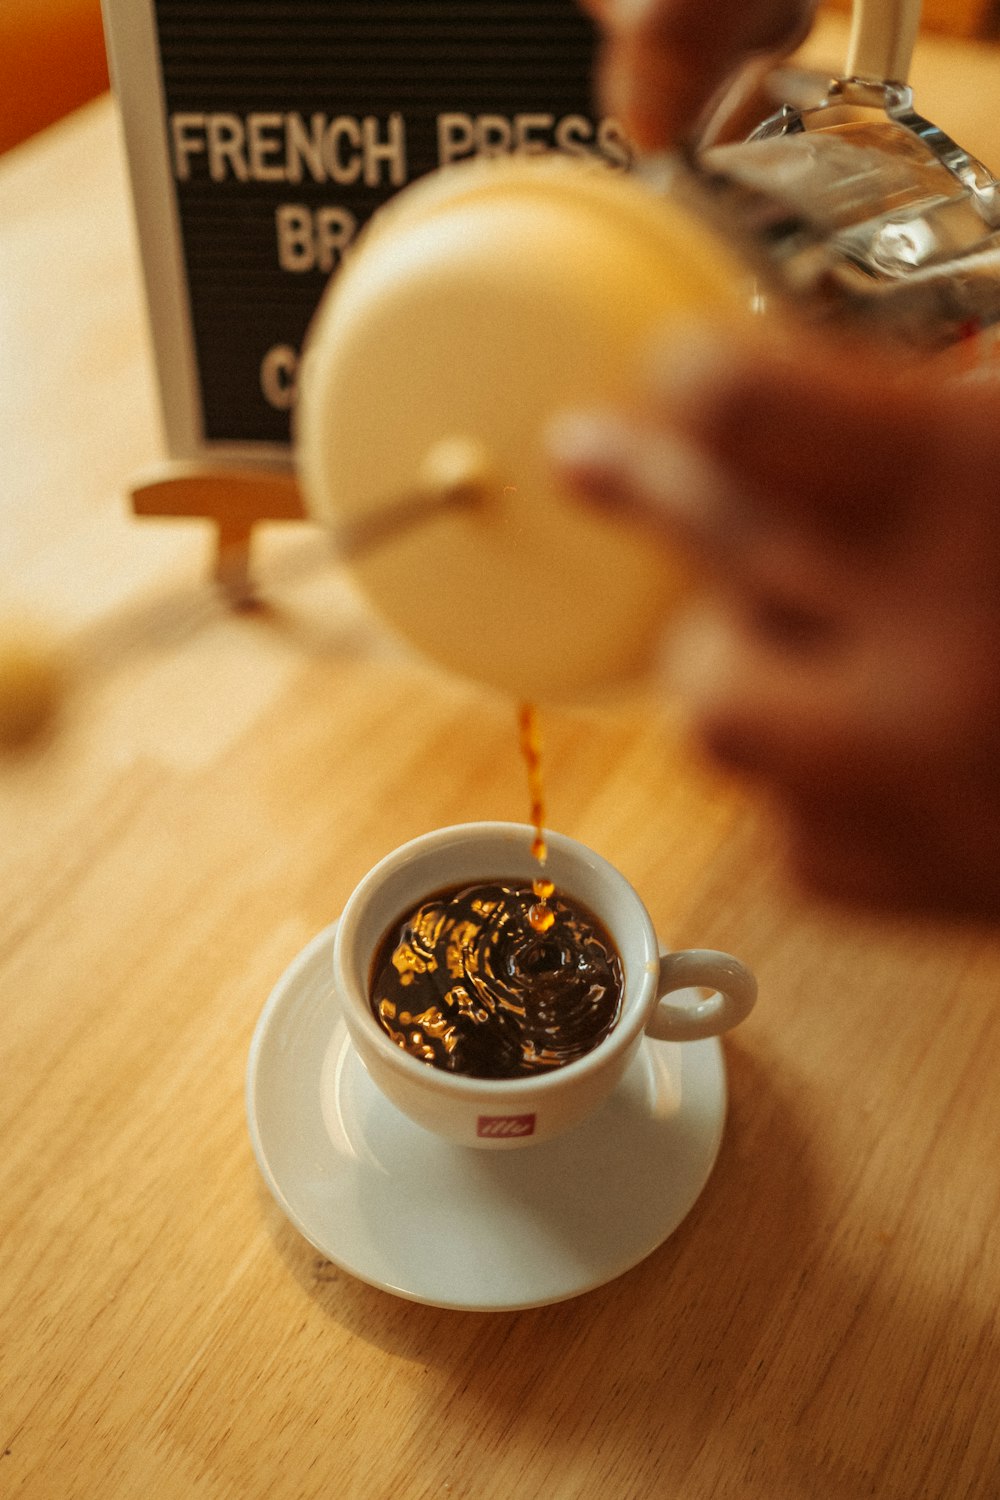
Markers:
<point>262,136</point>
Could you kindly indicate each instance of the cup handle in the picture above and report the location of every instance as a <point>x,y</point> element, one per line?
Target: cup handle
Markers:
<point>734,994</point>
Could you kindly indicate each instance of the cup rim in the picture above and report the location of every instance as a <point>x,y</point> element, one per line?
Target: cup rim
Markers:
<point>637,1000</point>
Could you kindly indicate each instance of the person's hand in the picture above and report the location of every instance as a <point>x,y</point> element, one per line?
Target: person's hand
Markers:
<point>846,656</point>
<point>663,60</point>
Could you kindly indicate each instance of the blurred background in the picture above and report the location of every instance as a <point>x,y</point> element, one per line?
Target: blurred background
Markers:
<point>52,56</point>
<point>51,61</point>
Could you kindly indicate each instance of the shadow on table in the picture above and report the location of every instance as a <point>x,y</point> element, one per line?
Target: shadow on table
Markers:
<point>742,1358</point>
<point>710,1293</point>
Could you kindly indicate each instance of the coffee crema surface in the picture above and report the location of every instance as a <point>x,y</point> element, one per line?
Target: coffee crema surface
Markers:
<point>464,982</point>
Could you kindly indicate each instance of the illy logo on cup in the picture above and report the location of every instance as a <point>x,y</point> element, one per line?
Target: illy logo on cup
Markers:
<point>505,1126</point>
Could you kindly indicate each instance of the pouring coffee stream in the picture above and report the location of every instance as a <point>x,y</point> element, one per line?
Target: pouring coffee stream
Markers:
<point>540,915</point>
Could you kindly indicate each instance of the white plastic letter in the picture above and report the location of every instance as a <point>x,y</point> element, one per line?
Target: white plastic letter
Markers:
<point>187,133</point>
<point>296,250</point>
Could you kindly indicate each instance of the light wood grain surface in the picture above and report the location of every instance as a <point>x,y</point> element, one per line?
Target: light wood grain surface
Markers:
<point>824,1324</point>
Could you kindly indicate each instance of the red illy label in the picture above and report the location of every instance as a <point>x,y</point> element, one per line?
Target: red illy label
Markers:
<point>505,1127</point>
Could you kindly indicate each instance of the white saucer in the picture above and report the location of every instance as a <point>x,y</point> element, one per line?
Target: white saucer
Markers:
<point>449,1225</point>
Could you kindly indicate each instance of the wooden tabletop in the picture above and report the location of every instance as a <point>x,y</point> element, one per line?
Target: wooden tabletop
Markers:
<point>822,1324</point>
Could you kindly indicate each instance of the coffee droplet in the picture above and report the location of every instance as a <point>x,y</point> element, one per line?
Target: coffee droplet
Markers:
<point>541,917</point>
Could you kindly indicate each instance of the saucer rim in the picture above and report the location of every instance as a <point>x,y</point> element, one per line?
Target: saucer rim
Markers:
<point>283,994</point>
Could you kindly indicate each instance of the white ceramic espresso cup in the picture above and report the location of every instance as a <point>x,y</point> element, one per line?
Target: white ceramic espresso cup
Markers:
<point>503,1113</point>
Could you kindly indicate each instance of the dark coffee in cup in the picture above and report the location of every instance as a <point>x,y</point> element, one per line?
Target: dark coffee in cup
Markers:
<point>466,983</point>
